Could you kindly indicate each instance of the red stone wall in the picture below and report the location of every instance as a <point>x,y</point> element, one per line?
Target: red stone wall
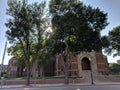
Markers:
<point>72,66</point>
<point>102,64</point>
<point>12,68</point>
<point>101,61</point>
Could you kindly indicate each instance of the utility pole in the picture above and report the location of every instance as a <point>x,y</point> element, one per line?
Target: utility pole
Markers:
<point>3,59</point>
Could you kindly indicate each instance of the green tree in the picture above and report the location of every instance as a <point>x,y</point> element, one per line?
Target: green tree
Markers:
<point>17,52</point>
<point>114,42</point>
<point>44,55</point>
<point>41,23</point>
<point>76,28</point>
<point>20,28</point>
<point>114,68</point>
<point>25,27</point>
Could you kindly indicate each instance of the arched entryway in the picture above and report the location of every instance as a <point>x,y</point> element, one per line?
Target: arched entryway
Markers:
<point>86,64</point>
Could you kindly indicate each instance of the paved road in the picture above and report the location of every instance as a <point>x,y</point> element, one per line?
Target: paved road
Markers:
<point>70,87</point>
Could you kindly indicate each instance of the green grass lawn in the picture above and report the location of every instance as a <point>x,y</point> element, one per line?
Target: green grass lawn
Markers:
<point>38,78</point>
<point>116,76</point>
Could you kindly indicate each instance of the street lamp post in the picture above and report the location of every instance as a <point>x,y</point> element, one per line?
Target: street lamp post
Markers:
<point>92,81</point>
<point>91,71</point>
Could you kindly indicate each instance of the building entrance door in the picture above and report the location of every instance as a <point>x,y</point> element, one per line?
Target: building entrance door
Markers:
<point>86,64</point>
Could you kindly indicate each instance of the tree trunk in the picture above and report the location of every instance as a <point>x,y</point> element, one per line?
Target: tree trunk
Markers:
<point>66,73</point>
<point>21,71</point>
<point>41,71</point>
<point>28,73</point>
<point>18,71</point>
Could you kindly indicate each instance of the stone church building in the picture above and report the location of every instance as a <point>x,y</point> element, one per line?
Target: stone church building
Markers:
<point>78,65</point>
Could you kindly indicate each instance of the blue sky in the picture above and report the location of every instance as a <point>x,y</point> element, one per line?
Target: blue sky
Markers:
<point>108,6</point>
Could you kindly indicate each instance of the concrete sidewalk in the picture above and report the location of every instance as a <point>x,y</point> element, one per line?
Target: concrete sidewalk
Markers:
<point>57,85</point>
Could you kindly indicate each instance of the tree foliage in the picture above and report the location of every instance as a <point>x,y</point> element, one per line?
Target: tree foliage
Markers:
<point>77,26</point>
<point>114,42</point>
<point>17,53</point>
<point>114,67</point>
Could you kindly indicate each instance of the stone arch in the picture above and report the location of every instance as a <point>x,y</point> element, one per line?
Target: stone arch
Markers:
<point>91,57</point>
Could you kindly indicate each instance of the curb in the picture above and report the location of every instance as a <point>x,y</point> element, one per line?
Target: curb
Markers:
<point>56,85</point>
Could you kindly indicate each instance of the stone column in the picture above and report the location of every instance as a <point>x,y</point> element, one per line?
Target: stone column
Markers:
<point>79,66</point>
